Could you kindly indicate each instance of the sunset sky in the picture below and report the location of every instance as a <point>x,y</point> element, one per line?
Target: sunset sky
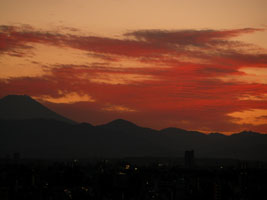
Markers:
<point>197,65</point>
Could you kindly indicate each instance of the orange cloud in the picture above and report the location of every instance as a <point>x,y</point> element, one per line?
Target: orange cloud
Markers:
<point>249,75</point>
<point>259,97</point>
<point>253,116</point>
<point>69,98</point>
<point>118,108</point>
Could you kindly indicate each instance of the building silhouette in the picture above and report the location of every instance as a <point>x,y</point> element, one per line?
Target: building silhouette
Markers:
<point>189,159</point>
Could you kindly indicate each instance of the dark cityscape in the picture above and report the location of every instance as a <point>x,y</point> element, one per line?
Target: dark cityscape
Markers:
<point>59,159</point>
<point>132,178</point>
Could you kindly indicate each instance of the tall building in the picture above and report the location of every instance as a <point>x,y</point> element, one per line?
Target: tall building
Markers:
<point>16,156</point>
<point>189,159</point>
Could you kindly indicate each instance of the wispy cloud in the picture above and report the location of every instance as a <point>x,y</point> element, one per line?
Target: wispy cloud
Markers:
<point>68,98</point>
<point>118,108</point>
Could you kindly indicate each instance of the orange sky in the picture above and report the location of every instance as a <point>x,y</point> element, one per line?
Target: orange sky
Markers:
<point>198,65</point>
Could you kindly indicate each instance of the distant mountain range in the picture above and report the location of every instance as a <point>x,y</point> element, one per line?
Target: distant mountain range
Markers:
<point>28,127</point>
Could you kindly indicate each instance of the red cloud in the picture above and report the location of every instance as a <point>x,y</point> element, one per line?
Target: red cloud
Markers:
<point>16,37</point>
<point>189,37</point>
<point>184,91</point>
<point>145,43</point>
<point>164,101</point>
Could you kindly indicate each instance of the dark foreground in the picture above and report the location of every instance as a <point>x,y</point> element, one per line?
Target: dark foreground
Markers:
<point>129,179</point>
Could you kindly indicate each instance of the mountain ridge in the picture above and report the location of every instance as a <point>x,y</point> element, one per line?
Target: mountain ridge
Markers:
<point>25,107</point>
<point>15,99</point>
<point>38,137</point>
<point>52,138</point>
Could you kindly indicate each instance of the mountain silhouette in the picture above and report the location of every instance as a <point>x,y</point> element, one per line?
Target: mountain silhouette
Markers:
<point>41,133</point>
<point>247,133</point>
<point>173,130</point>
<point>24,107</point>
<point>121,123</point>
